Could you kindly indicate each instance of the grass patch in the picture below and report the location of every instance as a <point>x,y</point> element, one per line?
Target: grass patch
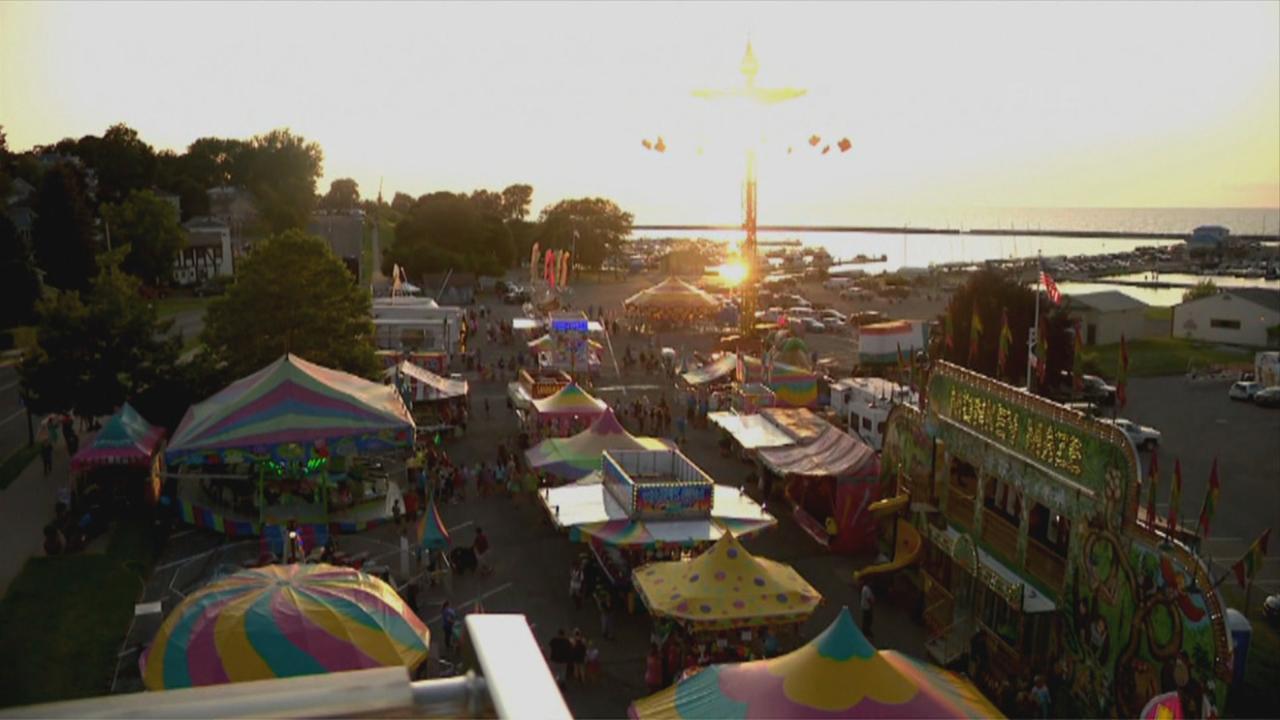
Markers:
<point>1259,694</point>
<point>1164,314</point>
<point>64,617</point>
<point>1157,357</point>
<point>17,461</point>
<point>170,306</point>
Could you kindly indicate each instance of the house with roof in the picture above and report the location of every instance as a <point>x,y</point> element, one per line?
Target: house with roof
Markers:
<point>1105,316</point>
<point>207,252</point>
<point>1236,316</point>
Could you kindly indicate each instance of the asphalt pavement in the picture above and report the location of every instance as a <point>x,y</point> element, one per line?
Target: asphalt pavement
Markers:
<point>13,416</point>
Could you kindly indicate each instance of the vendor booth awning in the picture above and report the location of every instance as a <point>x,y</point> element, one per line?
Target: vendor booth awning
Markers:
<point>431,532</point>
<point>834,453</point>
<point>674,294</point>
<point>126,438</point>
<point>726,587</point>
<point>800,424</point>
<point>574,457</point>
<point>711,372</point>
<point>292,409</point>
<point>836,675</point>
<point>751,431</point>
<point>426,385</point>
<point>570,400</point>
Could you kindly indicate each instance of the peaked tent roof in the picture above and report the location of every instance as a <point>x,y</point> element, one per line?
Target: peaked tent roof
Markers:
<point>673,293</point>
<point>291,409</point>
<point>126,438</point>
<point>792,352</point>
<point>838,674</point>
<point>579,455</point>
<point>726,587</point>
<point>723,367</point>
<point>429,385</point>
<point>570,400</point>
<point>432,534</point>
<point>834,453</point>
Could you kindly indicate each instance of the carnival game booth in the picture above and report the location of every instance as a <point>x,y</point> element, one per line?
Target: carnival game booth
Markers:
<point>790,375</point>
<point>885,343</point>
<point>567,355</point>
<point>838,674</point>
<point>710,386</point>
<point>292,442</point>
<point>831,480</point>
<point>124,460</point>
<point>565,413</point>
<point>649,501</point>
<point>436,402</point>
<point>282,621</point>
<point>672,303</point>
<point>534,386</point>
<point>575,457</point>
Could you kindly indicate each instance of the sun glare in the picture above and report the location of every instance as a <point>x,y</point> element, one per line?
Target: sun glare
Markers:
<point>733,272</point>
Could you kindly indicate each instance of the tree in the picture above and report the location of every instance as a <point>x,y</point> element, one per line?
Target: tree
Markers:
<point>217,162</point>
<point>282,172</point>
<point>149,226</point>
<point>19,280</point>
<point>487,202</point>
<point>292,295</point>
<point>171,175</point>
<point>344,194</point>
<point>596,227</point>
<point>516,200</point>
<point>1202,289</point>
<point>64,237</point>
<point>122,161</point>
<point>402,202</point>
<point>448,231</point>
<point>993,292</point>
<point>94,354</point>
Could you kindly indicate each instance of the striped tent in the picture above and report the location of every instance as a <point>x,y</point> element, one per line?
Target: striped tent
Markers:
<point>570,400</point>
<point>292,410</point>
<point>126,438</point>
<point>577,456</point>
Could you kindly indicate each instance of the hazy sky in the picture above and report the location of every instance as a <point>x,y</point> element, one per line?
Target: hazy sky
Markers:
<point>998,104</point>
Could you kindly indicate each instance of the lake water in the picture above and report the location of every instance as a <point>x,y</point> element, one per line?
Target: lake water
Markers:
<point>904,250</point>
<point>1161,296</point>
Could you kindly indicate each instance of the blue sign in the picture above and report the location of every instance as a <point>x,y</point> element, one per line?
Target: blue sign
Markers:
<point>569,325</point>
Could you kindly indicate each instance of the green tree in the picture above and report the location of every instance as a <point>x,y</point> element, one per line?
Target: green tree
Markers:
<point>149,226</point>
<point>94,354</point>
<point>516,200</point>
<point>448,231</point>
<point>64,238</point>
<point>993,291</point>
<point>292,295</point>
<point>217,162</point>
<point>595,227</point>
<point>123,162</point>
<point>171,175</point>
<point>1202,289</point>
<point>282,172</point>
<point>402,202</point>
<point>344,194</point>
<point>19,280</point>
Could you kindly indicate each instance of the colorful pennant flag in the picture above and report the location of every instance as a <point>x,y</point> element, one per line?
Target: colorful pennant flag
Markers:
<point>1006,338</point>
<point>1051,287</point>
<point>975,332</point>
<point>1153,483</point>
<point>1122,382</point>
<point>1246,568</point>
<point>1175,496</point>
<point>533,264</point>
<point>814,140</point>
<point>1210,505</point>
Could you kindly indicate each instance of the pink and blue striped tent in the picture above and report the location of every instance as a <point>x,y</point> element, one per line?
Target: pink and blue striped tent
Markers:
<point>125,439</point>
<point>292,410</point>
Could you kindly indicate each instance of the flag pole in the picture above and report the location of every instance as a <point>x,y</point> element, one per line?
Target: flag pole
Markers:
<point>1035,326</point>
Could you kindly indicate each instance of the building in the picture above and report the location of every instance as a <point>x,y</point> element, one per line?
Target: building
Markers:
<point>207,253</point>
<point>1035,556</point>
<point>1105,316</point>
<point>452,288</point>
<point>235,207</point>
<point>1238,316</point>
<point>416,324</point>
<point>343,232</point>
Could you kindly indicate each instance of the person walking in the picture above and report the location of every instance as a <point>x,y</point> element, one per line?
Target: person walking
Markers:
<point>578,657</point>
<point>560,652</point>
<point>46,452</point>
<point>575,585</point>
<point>604,601</point>
<point>481,548</point>
<point>448,618</point>
<point>868,603</point>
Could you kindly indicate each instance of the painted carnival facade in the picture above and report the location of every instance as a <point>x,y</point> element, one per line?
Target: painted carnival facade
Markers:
<point>1034,562</point>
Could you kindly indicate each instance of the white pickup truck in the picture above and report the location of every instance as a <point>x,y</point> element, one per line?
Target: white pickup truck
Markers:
<point>1143,436</point>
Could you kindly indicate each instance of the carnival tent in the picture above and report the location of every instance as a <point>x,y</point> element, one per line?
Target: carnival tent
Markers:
<point>126,438</point>
<point>570,400</point>
<point>838,674</point>
<point>579,455</point>
<point>800,424</point>
<point>427,386</point>
<point>886,342</point>
<point>722,368</point>
<point>752,432</point>
<point>282,621</point>
<point>792,351</point>
<point>672,294</point>
<point>588,512</point>
<point>726,587</point>
<point>293,409</point>
<point>431,532</point>
<point>833,453</point>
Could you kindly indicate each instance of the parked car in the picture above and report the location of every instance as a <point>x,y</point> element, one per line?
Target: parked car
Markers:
<point>833,314</point>
<point>1268,398</point>
<point>1244,390</point>
<point>210,287</point>
<point>1096,390</point>
<point>812,325</point>
<point>866,317</point>
<point>1143,436</point>
<point>516,295</point>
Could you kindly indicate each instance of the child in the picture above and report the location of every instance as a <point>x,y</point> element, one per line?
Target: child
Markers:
<point>593,662</point>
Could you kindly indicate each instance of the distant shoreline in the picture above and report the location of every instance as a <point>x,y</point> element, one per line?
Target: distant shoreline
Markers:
<point>990,232</point>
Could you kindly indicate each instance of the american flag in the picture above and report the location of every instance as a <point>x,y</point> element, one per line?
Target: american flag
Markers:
<point>1051,287</point>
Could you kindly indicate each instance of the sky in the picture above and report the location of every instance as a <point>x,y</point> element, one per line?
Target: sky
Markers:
<point>946,105</point>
